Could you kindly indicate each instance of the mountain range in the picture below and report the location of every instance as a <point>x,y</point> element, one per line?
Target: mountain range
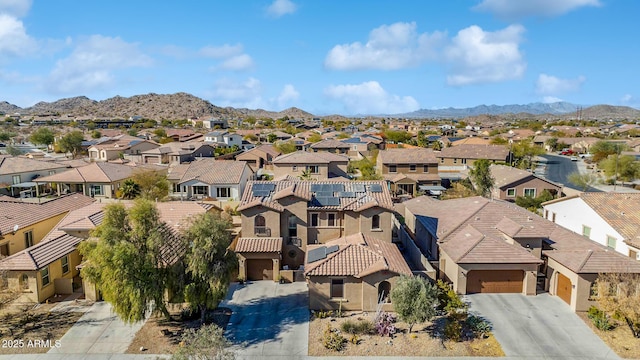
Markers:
<point>184,106</point>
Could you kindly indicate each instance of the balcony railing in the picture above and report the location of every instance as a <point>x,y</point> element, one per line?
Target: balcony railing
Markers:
<point>262,231</point>
<point>294,241</point>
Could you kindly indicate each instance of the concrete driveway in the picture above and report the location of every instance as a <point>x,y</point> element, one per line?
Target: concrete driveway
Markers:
<point>541,326</point>
<point>269,319</point>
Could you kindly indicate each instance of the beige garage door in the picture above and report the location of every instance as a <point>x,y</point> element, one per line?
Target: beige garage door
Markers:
<point>564,288</point>
<point>494,281</point>
<point>260,269</point>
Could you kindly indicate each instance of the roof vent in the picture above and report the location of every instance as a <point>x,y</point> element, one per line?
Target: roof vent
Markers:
<point>477,218</point>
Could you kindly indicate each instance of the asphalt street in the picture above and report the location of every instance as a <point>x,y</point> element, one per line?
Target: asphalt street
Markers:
<point>558,169</point>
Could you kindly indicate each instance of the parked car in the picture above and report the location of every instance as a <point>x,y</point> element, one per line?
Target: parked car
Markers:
<point>567,152</point>
<point>574,158</point>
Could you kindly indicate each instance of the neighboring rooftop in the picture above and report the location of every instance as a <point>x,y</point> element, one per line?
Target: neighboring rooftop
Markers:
<point>408,156</point>
<point>209,171</point>
<point>491,152</point>
<point>305,157</point>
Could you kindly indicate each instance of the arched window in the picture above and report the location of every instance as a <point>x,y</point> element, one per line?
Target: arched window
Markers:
<point>384,291</point>
<point>24,281</point>
<point>259,221</point>
<point>260,226</point>
<point>375,222</point>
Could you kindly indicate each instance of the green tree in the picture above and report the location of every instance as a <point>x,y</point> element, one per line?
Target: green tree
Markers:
<point>306,175</point>
<point>14,151</point>
<point>481,177</point>
<point>129,189</point>
<point>602,149</point>
<point>71,142</point>
<point>272,138</point>
<point>436,146</point>
<point>414,300</point>
<point>6,136</point>
<point>343,135</point>
<point>624,168</point>
<point>524,151</point>
<point>397,136</point>
<point>96,134</point>
<point>42,136</point>
<point>206,343</point>
<point>209,262</point>
<point>583,181</point>
<point>534,203</point>
<point>286,147</point>
<point>314,138</point>
<point>126,261</point>
<point>498,140</point>
<point>552,143</point>
<point>153,185</point>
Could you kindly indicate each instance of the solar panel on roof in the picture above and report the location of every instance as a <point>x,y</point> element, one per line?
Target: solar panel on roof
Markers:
<point>332,249</point>
<point>338,187</point>
<point>324,193</point>
<point>261,193</point>
<point>375,188</point>
<point>316,254</point>
<point>333,201</point>
<point>321,201</point>
<point>269,187</point>
<point>346,194</point>
<point>315,187</point>
<point>326,188</point>
<point>358,188</point>
<point>257,187</point>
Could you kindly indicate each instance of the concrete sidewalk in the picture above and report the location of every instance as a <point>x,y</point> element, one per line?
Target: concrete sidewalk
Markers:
<point>98,331</point>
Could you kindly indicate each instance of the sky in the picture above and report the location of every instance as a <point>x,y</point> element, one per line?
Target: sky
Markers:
<point>352,57</point>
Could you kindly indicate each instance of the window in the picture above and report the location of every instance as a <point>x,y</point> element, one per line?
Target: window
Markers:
<point>553,217</point>
<point>44,273</point>
<point>384,289</point>
<point>24,281</point>
<point>96,190</point>
<point>393,168</point>
<point>313,169</point>
<point>314,219</point>
<point>65,264</point>
<point>199,190</point>
<point>260,226</point>
<point>464,161</point>
<point>259,221</point>
<point>455,160</point>
<point>530,192</point>
<point>52,172</point>
<point>176,188</point>
<point>331,219</point>
<point>28,239</point>
<point>294,168</point>
<point>412,167</point>
<point>511,192</point>
<point>611,242</point>
<point>16,179</point>
<point>586,231</point>
<point>224,192</point>
<point>337,288</point>
<point>425,168</point>
<point>375,222</point>
<point>441,160</point>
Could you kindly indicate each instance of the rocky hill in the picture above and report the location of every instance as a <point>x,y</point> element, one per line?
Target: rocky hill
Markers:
<point>292,112</point>
<point>7,108</point>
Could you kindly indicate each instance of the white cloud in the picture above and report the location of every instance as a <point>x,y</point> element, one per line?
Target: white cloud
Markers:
<point>14,40</point>
<point>370,98</point>
<point>516,9</point>
<point>550,85</point>
<point>287,96</point>
<point>221,52</point>
<point>626,98</point>
<point>389,47</point>
<point>92,64</point>
<point>551,99</point>
<point>478,56</point>
<point>17,8</point>
<point>227,92</point>
<point>281,7</point>
<point>236,63</point>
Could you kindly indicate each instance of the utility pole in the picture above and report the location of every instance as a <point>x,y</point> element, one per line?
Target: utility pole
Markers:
<point>615,176</point>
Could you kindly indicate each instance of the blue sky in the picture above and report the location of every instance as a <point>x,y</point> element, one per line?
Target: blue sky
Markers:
<point>325,57</point>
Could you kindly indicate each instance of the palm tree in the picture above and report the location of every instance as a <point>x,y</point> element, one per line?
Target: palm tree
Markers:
<point>129,189</point>
<point>306,175</point>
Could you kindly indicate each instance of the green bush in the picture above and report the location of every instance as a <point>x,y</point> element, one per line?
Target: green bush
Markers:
<point>478,325</point>
<point>452,329</point>
<point>599,319</point>
<point>332,340</point>
<point>362,327</point>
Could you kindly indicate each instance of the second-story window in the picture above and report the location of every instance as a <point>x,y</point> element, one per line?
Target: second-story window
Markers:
<point>425,168</point>
<point>260,226</point>
<point>393,168</point>
<point>28,239</point>
<point>331,219</point>
<point>314,219</point>
<point>16,179</point>
<point>375,222</point>
<point>412,167</point>
<point>313,169</point>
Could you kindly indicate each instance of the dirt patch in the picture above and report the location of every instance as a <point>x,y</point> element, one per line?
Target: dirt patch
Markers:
<point>620,339</point>
<point>424,340</point>
<point>33,330</point>
<point>162,336</point>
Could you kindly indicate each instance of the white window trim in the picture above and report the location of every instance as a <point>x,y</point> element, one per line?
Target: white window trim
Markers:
<point>524,192</point>
<point>514,192</point>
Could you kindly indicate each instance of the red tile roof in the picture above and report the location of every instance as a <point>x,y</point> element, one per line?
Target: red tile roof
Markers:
<point>258,245</point>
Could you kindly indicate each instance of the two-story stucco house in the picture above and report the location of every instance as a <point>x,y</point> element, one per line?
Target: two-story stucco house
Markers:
<point>511,182</point>
<point>223,138</point>
<point>120,146</point>
<point>17,174</point>
<point>317,165</point>
<point>409,170</point>
<point>209,178</point>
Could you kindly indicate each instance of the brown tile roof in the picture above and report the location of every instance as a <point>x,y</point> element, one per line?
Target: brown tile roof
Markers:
<point>415,177</point>
<point>471,141</point>
<point>25,214</point>
<point>506,175</point>
<point>258,245</point>
<point>491,152</point>
<point>330,144</point>
<point>10,165</point>
<point>620,210</point>
<point>97,172</point>
<point>41,254</point>
<point>358,200</point>
<point>590,261</point>
<point>408,156</point>
<point>260,151</point>
<point>358,255</point>
<point>306,157</point>
<point>209,171</point>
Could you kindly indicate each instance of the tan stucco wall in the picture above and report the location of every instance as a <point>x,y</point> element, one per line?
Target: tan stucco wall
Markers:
<point>40,230</point>
<point>13,279</point>
<point>532,183</point>
<point>242,263</point>
<point>359,294</point>
<point>580,285</point>
<point>272,220</point>
<point>55,272</point>
<point>280,170</point>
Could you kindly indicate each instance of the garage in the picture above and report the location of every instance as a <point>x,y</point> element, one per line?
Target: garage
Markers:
<point>564,288</point>
<point>495,281</point>
<point>259,269</point>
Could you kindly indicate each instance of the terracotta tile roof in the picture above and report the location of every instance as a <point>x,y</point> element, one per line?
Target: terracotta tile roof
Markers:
<point>507,175</point>
<point>358,200</point>
<point>620,210</point>
<point>260,151</point>
<point>471,141</point>
<point>330,144</point>
<point>491,152</point>
<point>259,245</point>
<point>10,165</point>
<point>25,214</point>
<point>415,177</point>
<point>358,255</point>
<point>209,171</point>
<point>306,157</point>
<point>594,261</point>
<point>41,254</point>
<point>407,156</point>
<point>97,172</point>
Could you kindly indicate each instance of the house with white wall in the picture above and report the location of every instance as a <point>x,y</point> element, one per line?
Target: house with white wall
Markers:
<point>611,219</point>
<point>223,138</point>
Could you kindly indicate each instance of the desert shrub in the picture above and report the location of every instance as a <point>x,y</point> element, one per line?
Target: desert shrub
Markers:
<point>188,313</point>
<point>385,324</point>
<point>362,327</point>
<point>450,301</point>
<point>452,329</point>
<point>332,340</point>
<point>478,325</point>
<point>599,319</point>
<point>322,314</point>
